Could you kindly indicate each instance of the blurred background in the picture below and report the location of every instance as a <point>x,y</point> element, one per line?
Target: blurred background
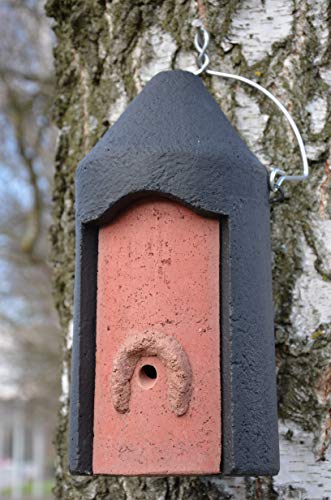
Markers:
<point>29,331</point>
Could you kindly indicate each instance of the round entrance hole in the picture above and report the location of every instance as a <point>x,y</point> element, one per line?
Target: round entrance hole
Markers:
<point>147,376</point>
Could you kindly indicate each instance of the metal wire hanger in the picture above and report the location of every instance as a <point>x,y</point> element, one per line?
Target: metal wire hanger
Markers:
<point>277,176</point>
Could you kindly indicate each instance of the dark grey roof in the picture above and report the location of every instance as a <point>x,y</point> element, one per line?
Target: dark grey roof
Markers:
<point>172,138</point>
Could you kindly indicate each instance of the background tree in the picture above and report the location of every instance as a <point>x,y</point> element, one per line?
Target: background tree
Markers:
<point>106,52</point>
<point>29,330</point>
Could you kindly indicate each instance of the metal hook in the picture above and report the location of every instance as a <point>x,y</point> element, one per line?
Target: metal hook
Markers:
<point>201,46</point>
<point>277,176</point>
<point>279,197</point>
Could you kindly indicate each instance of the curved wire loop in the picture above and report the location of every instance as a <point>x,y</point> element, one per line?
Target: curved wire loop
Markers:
<point>277,176</point>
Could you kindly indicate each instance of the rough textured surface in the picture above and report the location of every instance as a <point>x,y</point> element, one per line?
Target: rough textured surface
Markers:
<point>97,71</point>
<point>173,357</point>
<point>158,270</point>
<point>174,141</point>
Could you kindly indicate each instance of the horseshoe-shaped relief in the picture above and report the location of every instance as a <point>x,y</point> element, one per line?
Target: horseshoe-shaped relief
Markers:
<point>171,354</point>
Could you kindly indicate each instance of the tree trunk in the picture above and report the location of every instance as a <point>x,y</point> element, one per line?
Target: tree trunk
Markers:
<point>106,52</point>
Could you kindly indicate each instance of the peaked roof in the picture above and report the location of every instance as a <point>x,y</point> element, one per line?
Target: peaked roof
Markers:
<point>173,126</point>
<point>177,104</point>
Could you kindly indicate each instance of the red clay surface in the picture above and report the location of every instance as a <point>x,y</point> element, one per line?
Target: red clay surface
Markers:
<point>158,278</point>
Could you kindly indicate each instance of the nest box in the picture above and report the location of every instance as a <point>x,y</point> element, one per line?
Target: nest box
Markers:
<point>173,368</point>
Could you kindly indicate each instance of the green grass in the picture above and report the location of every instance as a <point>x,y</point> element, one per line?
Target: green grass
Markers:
<point>27,488</point>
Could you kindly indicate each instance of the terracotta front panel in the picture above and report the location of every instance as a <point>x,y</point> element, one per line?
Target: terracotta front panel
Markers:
<point>158,305</point>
